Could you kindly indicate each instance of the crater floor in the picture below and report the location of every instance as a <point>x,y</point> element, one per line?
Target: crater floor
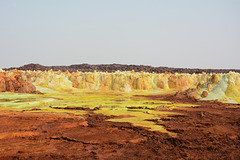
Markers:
<point>207,130</point>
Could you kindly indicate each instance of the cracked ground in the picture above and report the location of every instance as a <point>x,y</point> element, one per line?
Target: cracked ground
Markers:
<point>209,131</point>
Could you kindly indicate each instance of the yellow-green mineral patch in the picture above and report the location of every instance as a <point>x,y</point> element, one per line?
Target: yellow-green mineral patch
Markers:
<point>135,110</point>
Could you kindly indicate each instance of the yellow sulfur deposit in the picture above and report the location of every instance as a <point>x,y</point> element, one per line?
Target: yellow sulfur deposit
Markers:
<point>223,87</point>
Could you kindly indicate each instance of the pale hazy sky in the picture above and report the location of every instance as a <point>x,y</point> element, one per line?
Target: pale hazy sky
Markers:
<point>173,33</point>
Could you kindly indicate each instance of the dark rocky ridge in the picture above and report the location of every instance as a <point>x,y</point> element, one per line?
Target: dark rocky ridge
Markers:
<point>120,67</point>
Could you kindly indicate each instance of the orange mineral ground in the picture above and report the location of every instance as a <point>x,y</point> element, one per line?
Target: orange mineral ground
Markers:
<point>119,115</point>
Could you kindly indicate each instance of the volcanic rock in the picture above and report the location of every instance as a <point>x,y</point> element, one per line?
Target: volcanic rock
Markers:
<point>116,67</point>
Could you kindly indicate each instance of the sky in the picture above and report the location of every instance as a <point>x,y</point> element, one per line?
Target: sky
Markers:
<point>172,33</point>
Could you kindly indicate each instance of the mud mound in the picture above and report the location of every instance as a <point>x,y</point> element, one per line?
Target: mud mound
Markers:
<point>189,93</point>
<point>120,67</point>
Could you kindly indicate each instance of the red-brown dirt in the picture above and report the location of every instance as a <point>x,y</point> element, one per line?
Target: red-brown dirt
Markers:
<point>209,131</point>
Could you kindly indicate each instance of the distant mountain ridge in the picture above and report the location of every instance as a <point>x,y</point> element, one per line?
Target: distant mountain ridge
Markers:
<point>120,67</point>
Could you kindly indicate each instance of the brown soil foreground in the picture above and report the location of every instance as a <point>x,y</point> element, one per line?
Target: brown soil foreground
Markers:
<point>210,131</point>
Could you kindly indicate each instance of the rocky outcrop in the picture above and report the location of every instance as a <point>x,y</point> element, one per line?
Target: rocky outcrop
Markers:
<point>203,86</point>
<point>224,87</point>
<point>17,82</point>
